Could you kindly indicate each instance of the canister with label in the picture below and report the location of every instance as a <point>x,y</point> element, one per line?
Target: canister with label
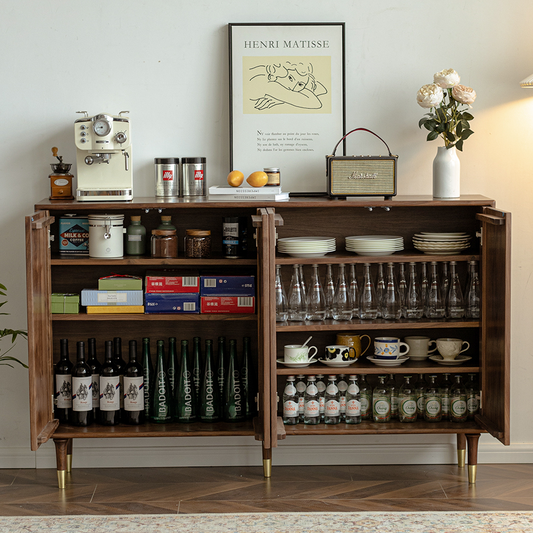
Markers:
<point>74,235</point>
<point>106,236</point>
<point>193,174</point>
<point>234,237</point>
<point>167,176</point>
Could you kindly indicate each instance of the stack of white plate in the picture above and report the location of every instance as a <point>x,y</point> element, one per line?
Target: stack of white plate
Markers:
<point>306,246</point>
<point>374,244</point>
<point>441,243</point>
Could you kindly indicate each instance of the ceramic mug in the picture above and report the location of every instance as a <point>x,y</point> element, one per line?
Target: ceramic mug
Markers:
<point>419,345</point>
<point>451,348</point>
<point>296,353</point>
<point>339,353</point>
<point>355,342</point>
<point>389,348</point>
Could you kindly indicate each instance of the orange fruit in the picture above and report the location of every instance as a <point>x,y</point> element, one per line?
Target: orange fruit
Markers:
<point>235,178</point>
<point>257,179</point>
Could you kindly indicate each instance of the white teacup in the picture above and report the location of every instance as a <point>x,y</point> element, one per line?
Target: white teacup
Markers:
<point>389,348</point>
<point>296,353</point>
<point>449,348</point>
<point>419,345</point>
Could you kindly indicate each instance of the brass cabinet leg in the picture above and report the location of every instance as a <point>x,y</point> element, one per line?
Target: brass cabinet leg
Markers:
<point>473,440</point>
<point>69,456</point>
<point>267,463</point>
<point>461,450</point>
<point>61,461</point>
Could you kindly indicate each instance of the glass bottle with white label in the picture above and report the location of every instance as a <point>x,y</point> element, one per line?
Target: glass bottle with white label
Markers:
<point>332,414</point>
<point>394,392</point>
<point>353,401</point>
<point>472,397</point>
<point>366,397</point>
<point>290,403</point>
<point>343,387</point>
<point>121,364</point>
<point>92,361</point>
<point>133,388</point>
<point>444,391</point>
<point>135,237</point>
<point>458,409</point>
<point>432,401</point>
<point>82,398</point>
<point>109,389</point>
<point>420,390</point>
<point>301,385</point>
<point>407,401</point>
<point>63,384</point>
<point>311,402</point>
<point>381,401</point>
<point>321,386</point>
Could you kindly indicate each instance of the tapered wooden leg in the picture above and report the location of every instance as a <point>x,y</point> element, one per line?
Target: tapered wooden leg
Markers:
<point>267,462</point>
<point>473,440</point>
<point>461,450</point>
<point>61,461</point>
<point>69,456</point>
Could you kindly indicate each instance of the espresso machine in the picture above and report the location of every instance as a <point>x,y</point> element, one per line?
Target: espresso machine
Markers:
<point>103,157</point>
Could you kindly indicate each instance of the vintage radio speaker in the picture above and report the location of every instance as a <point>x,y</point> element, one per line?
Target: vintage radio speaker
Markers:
<point>350,176</point>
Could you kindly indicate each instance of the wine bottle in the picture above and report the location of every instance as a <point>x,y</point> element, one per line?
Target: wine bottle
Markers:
<point>185,399</point>
<point>92,361</point>
<point>196,365</point>
<point>109,389</point>
<point>221,366</point>
<point>121,364</point>
<point>133,389</point>
<point>209,399</point>
<point>172,365</point>
<point>233,401</point>
<point>63,384</point>
<point>148,374</point>
<point>161,406</point>
<point>82,400</point>
<point>246,379</point>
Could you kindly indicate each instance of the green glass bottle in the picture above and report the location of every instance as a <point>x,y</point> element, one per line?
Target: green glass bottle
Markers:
<point>135,237</point>
<point>185,398</point>
<point>209,398</point>
<point>172,365</point>
<point>221,365</point>
<point>161,404</point>
<point>121,364</point>
<point>148,375</point>
<point>246,378</point>
<point>233,394</point>
<point>166,222</point>
<point>196,365</point>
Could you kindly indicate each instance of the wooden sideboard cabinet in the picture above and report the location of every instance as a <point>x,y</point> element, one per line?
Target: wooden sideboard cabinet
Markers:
<point>48,271</point>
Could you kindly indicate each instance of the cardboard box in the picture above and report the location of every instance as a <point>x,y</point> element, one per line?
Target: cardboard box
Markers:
<point>66,304</point>
<point>169,283</point>
<point>172,303</point>
<point>94,297</point>
<point>227,304</point>
<point>120,283</point>
<point>114,309</point>
<point>227,286</point>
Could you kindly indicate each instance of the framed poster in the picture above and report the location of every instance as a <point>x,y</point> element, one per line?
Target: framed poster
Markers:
<point>287,99</point>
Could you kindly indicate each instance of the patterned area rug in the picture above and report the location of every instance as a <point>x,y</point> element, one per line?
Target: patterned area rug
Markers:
<point>438,522</point>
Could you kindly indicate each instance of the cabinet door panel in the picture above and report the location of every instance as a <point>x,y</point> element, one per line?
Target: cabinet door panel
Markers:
<point>38,290</point>
<point>495,322</point>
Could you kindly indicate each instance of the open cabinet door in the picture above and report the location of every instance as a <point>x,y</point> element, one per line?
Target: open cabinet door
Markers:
<point>495,322</point>
<point>40,343</point>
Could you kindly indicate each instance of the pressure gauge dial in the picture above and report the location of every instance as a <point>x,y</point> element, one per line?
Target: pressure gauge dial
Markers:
<point>102,125</point>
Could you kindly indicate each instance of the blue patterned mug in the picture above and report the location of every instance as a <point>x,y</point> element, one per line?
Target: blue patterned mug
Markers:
<point>389,348</point>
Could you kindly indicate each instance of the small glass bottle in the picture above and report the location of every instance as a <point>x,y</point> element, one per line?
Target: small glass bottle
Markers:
<point>381,401</point>
<point>316,299</point>
<point>342,305</point>
<point>166,223</point>
<point>333,404</point>
<point>296,297</point>
<point>402,291</point>
<point>381,287</point>
<point>414,301</point>
<point>420,390</point>
<point>473,292</point>
<point>301,385</point>
<point>303,284</point>
<point>321,386</point>
<point>472,397</point>
<point>368,307</point>
<point>135,237</point>
<point>444,391</point>
<point>444,281</point>
<point>353,401</point>
<point>390,303</point>
<point>343,387</point>
<point>365,391</point>
<point>354,291</point>
<point>458,409</point>
<point>407,401</point>
<point>455,303</point>
<point>394,393</point>
<point>329,291</point>
<point>281,297</point>
<point>435,302</point>
<point>424,286</point>
<point>311,402</point>
<point>432,401</point>
<point>290,403</point>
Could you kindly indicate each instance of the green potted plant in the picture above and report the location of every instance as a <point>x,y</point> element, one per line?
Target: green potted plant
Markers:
<point>13,333</point>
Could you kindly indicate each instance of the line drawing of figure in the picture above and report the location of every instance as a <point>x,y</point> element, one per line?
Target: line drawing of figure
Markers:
<point>65,390</point>
<point>109,392</point>
<point>285,82</point>
<point>82,392</point>
<point>96,389</point>
<point>132,392</point>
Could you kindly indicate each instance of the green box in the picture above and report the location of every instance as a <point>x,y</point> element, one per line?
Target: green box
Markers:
<point>66,304</point>
<point>120,283</point>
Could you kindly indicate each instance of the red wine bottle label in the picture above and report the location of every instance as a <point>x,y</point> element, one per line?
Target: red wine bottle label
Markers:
<point>133,394</point>
<point>109,393</point>
<point>82,394</point>
<point>63,391</point>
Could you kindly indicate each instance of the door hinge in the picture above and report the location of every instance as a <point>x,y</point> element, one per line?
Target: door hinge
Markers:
<point>479,235</point>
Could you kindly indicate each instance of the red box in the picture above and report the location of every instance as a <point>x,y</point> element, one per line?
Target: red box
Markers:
<point>227,304</point>
<point>171,284</point>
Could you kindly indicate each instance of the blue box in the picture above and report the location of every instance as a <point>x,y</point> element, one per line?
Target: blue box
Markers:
<point>227,286</point>
<point>94,297</point>
<point>74,235</point>
<point>172,303</point>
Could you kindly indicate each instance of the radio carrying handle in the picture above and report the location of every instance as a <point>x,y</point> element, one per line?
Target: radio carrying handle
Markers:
<point>362,129</point>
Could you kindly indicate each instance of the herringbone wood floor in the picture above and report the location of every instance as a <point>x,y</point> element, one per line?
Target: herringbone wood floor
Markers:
<point>499,487</point>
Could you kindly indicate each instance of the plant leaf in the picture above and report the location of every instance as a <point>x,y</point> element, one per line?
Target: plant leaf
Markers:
<point>459,145</point>
<point>432,135</point>
<point>467,116</point>
<point>466,134</point>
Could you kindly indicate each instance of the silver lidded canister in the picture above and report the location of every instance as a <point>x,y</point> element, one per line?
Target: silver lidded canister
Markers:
<point>167,176</point>
<point>193,176</point>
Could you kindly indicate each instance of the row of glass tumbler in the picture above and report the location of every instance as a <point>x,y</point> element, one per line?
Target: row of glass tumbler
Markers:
<point>393,296</point>
<point>311,400</point>
<point>183,390</point>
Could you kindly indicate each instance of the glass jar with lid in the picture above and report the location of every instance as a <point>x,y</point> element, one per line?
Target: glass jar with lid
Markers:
<point>197,243</point>
<point>164,243</point>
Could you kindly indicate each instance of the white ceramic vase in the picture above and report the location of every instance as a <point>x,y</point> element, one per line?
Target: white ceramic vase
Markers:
<point>446,173</point>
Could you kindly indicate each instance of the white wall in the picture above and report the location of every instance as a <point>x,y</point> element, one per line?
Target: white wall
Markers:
<point>166,62</point>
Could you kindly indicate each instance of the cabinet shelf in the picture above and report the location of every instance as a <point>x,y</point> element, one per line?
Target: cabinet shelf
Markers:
<point>58,260</point>
<point>159,317</point>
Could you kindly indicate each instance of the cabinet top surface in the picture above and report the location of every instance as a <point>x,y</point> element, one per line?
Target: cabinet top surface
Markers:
<point>200,202</point>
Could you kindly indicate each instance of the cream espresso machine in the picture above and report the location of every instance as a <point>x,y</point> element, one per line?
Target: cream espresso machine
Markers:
<point>103,157</point>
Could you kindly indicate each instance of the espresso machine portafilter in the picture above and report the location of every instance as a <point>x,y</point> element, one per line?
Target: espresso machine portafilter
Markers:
<point>103,157</point>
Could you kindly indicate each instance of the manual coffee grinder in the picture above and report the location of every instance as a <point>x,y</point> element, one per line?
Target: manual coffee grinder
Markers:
<point>103,157</point>
<point>60,179</point>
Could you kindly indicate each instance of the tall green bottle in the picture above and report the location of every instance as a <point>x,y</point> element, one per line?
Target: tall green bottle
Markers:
<point>172,365</point>
<point>209,398</point>
<point>161,406</point>
<point>246,379</point>
<point>185,398</point>
<point>233,393</point>
<point>196,365</point>
<point>221,365</point>
<point>117,359</point>
<point>148,375</point>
